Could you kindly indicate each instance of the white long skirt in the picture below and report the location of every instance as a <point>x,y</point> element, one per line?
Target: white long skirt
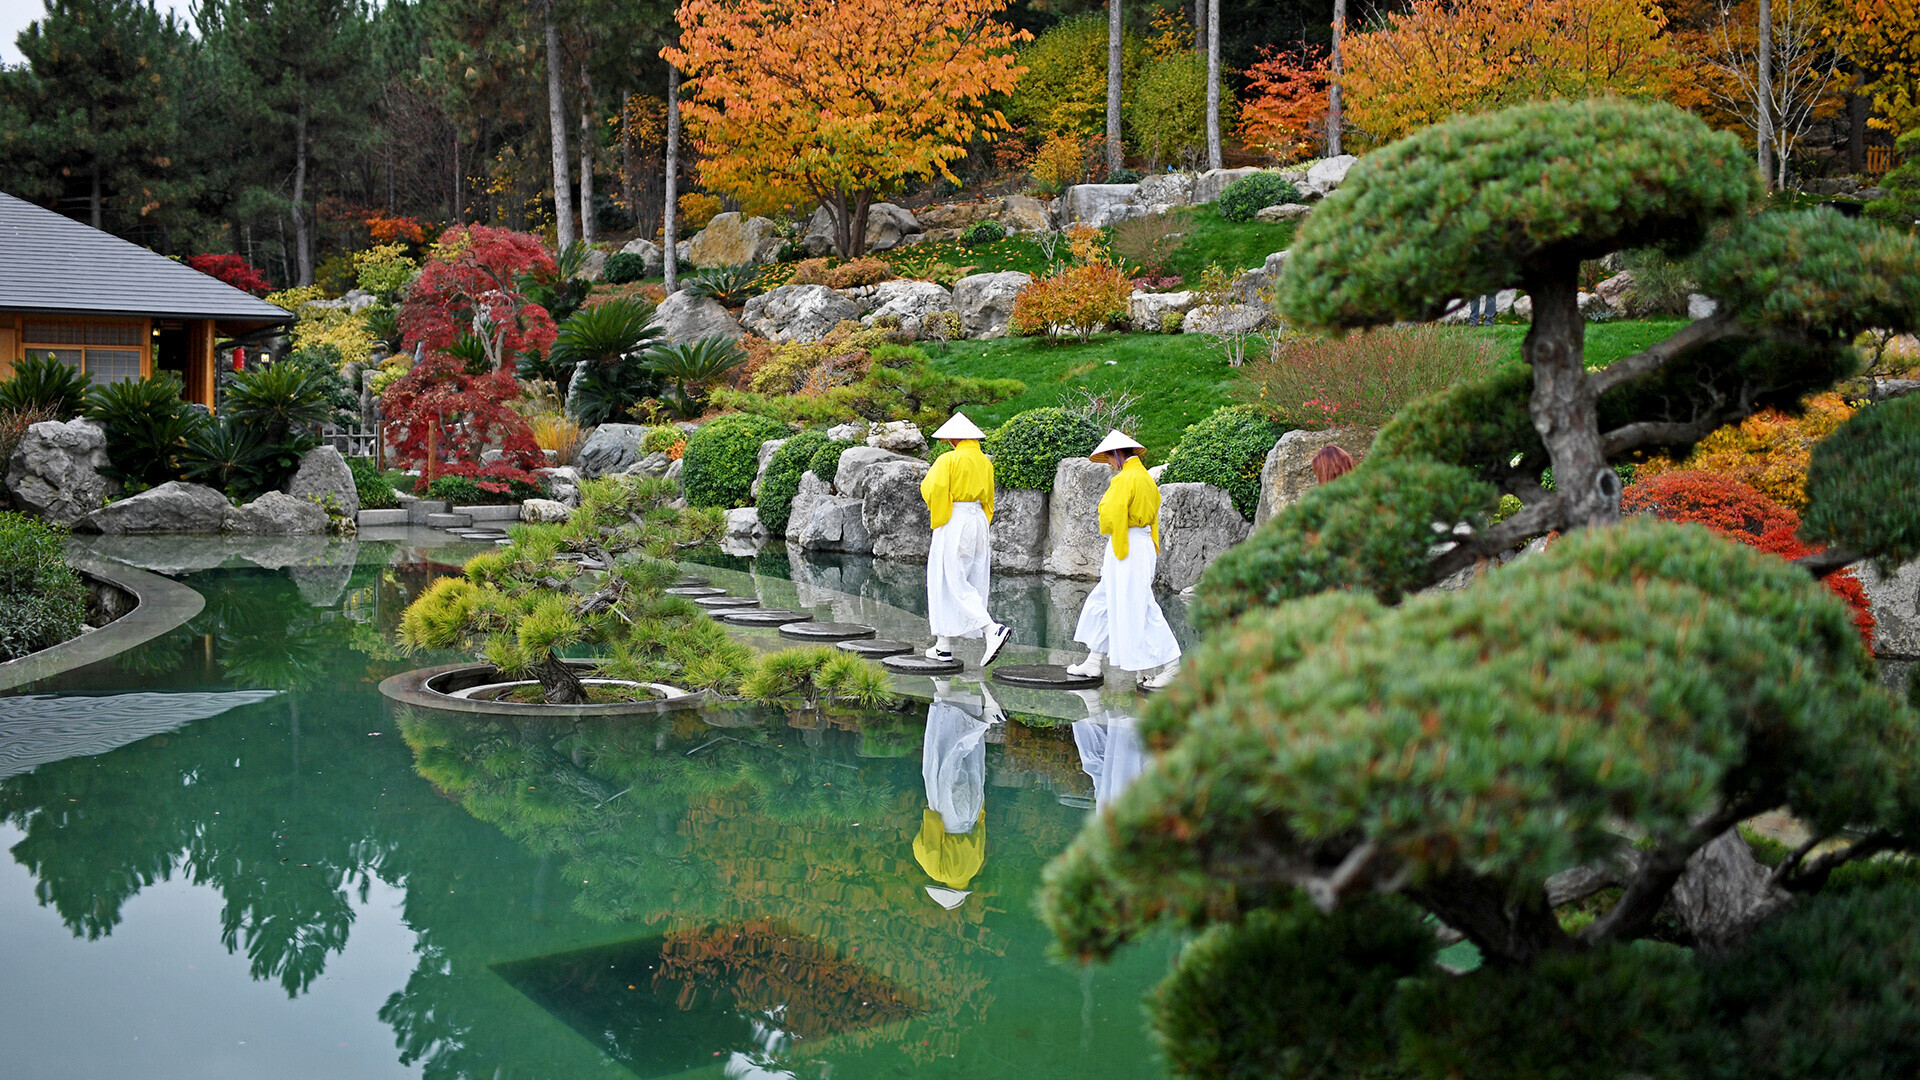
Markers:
<point>959,571</point>
<point>1111,753</point>
<point>1121,618</point>
<point>953,763</point>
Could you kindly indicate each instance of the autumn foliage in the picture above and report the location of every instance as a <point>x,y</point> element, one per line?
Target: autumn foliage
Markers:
<point>1439,58</point>
<point>840,103</point>
<point>1738,512</point>
<point>441,417</point>
<point>1768,451</point>
<point>234,270</point>
<point>1077,299</point>
<point>1883,38</point>
<point>471,285</point>
<point>1284,111</point>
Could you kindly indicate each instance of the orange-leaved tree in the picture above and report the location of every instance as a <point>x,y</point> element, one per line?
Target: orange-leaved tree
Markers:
<point>1285,110</point>
<point>1768,451</point>
<point>1444,57</point>
<point>837,100</point>
<point>1883,38</point>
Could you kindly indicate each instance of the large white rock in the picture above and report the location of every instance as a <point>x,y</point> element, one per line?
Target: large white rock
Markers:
<point>1102,204</point>
<point>1894,600</point>
<point>173,507</point>
<point>276,514</point>
<point>893,512</point>
<point>811,490</point>
<point>1075,547</point>
<point>1327,175</point>
<point>743,523</point>
<point>1274,215</point>
<point>887,226</point>
<point>1288,471</point>
<point>767,449</point>
<point>55,471</point>
<point>797,312</point>
<point>1147,312</point>
<point>836,524</point>
<point>685,317</point>
<point>985,302</point>
<point>1700,306</point>
<point>1165,189</point>
<point>323,478</point>
<point>855,462</point>
<point>1197,523</point>
<point>899,436</point>
<point>1019,530</point>
<point>1208,185</point>
<point>649,252</point>
<point>611,448</point>
<point>1225,319</point>
<point>544,512</point>
<point>732,239</point>
<point>909,301</point>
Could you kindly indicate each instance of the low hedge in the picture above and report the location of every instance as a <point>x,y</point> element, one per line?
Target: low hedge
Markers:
<point>624,268</point>
<point>782,480</point>
<point>1226,450</point>
<point>1027,449</point>
<point>721,458</point>
<point>1255,192</point>
<point>45,602</point>
<point>371,483</point>
<point>826,460</point>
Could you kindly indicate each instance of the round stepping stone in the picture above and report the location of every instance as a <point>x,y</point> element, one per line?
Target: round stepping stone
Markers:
<point>1045,677</point>
<point>763,617</point>
<point>695,591</point>
<point>691,582</point>
<point>826,631</point>
<point>712,603</point>
<point>875,648</point>
<point>914,663</point>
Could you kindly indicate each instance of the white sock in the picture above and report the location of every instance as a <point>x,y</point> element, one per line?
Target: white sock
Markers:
<point>944,644</point>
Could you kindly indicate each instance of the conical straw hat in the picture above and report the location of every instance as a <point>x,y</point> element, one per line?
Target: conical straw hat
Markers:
<point>1115,440</point>
<point>959,428</point>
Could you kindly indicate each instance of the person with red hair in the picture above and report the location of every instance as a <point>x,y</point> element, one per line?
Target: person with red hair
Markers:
<point>1331,463</point>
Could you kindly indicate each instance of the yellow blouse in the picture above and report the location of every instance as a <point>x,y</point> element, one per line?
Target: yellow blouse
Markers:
<point>962,474</point>
<point>949,859</point>
<point>1132,501</point>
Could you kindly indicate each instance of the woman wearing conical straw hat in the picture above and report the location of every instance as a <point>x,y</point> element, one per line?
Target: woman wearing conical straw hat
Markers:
<point>959,494</point>
<point>1121,622</point>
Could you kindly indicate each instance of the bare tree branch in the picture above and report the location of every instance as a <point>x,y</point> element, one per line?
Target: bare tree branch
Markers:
<point>1822,563</point>
<point>1654,357</point>
<point>1658,872</point>
<point>1659,433</point>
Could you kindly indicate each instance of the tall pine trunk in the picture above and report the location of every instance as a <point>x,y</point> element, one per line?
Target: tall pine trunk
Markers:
<point>557,123</point>
<point>302,228</point>
<point>669,259</point>
<point>1215,159</point>
<point>1765,94</point>
<point>589,228</point>
<point>93,200</point>
<point>1336,123</point>
<point>1114,157</point>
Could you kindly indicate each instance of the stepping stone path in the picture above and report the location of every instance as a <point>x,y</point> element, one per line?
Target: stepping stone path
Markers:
<point>826,631</point>
<point>695,591</point>
<point>692,582</point>
<point>875,648</point>
<point>715,603</point>
<point>763,617</point>
<point>915,664</point>
<point>1045,677</point>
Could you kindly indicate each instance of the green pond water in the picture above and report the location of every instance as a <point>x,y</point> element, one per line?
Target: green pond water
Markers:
<point>230,857</point>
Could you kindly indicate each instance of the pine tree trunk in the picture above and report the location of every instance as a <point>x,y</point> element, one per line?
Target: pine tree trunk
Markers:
<point>302,230</point>
<point>1765,94</point>
<point>669,209</point>
<point>1563,401</point>
<point>1115,159</point>
<point>558,683</point>
<point>589,228</point>
<point>1215,160</point>
<point>1336,123</point>
<point>557,124</point>
<point>93,200</point>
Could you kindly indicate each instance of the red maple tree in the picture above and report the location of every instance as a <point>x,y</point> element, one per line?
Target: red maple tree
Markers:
<point>441,417</point>
<point>234,270</point>
<point>470,285</point>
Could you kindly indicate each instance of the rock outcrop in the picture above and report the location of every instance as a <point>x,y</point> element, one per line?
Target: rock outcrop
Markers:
<point>55,471</point>
<point>1102,204</point>
<point>1075,547</point>
<point>1225,319</point>
<point>1282,212</point>
<point>1147,312</point>
<point>733,239</point>
<point>544,512</point>
<point>1197,523</point>
<point>1895,602</point>
<point>685,317</point>
<point>173,507</point>
<point>797,312</point>
<point>1019,530</point>
<point>850,479</point>
<point>836,524</point>
<point>324,479</point>
<point>899,436</point>
<point>1288,472</point>
<point>1327,174</point>
<point>909,301</point>
<point>1208,185</point>
<point>276,514</point>
<point>767,449</point>
<point>892,510</point>
<point>985,302</point>
<point>649,252</point>
<point>610,449</point>
<point>811,490</point>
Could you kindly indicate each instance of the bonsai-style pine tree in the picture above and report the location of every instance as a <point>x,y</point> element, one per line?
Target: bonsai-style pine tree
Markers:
<point>1549,761</point>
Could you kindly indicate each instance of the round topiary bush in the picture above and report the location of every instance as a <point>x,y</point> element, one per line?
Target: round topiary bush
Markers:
<point>782,480</point>
<point>1027,449</point>
<point>982,233</point>
<point>1250,194</point>
<point>826,460</point>
<point>45,602</point>
<point>722,457</point>
<point>624,267</point>
<point>1226,450</point>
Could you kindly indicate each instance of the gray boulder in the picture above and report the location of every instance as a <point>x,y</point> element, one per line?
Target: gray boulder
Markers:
<point>324,479</point>
<point>985,302</point>
<point>1894,600</point>
<point>173,507</point>
<point>276,514</point>
<point>1208,185</point>
<point>1701,306</point>
<point>899,436</point>
<point>1274,215</point>
<point>1075,547</point>
<point>743,523</point>
<point>836,524</point>
<point>767,450</point>
<point>562,484</point>
<point>593,267</point>
<point>909,301</point>
<point>610,449</point>
<point>850,479</point>
<point>1147,312</point>
<point>1165,190</point>
<point>1328,174</point>
<point>1197,523</point>
<point>654,464</point>
<point>887,227</point>
<point>732,239</point>
<point>685,317</point>
<point>1102,204</point>
<point>649,252</point>
<point>851,431</point>
<point>891,509</point>
<point>1225,319</point>
<point>55,471</point>
<point>1288,472</point>
<point>811,490</point>
<point>1024,213</point>
<point>797,312</point>
<point>1019,530</point>
<point>544,511</point>
<point>673,468</point>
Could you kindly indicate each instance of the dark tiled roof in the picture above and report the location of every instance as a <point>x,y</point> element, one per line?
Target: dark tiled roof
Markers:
<point>52,263</point>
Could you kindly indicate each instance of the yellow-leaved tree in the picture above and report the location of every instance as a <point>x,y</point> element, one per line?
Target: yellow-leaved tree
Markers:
<point>842,101</point>
<point>1440,58</point>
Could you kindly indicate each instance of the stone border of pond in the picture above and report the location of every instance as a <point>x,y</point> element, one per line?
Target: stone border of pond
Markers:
<point>159,605</point>
<point>433,687</point>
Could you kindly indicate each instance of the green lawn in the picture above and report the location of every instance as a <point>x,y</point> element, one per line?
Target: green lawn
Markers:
<point>1235,246</point>
<point>1180,378</point>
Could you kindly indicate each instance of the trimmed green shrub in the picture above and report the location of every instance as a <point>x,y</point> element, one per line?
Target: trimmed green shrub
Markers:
<point>722,457</point>
<point>1250,194</point>
<point>41,382</point>
<point>982,233</point>
<point>44,599</point>
<point>624,268</point>
<point>371,483</point>
<point>458,490</point>
<point>1027,449</point>
<point>1226,450</point>
<point>826,460</point>
<point>147,425</point>
<point>782,481</point>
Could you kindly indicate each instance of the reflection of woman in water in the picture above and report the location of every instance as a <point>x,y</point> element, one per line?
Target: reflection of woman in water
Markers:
<point>952,844</point>
<point>1110,749</point>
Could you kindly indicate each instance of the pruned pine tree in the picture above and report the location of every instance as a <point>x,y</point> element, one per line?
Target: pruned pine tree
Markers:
<point>1551,760</point>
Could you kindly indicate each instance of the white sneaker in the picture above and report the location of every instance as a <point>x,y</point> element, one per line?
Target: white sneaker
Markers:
<point>997,636</point>
<point>1088,668</point>
<point>935,652</point>
<point>1162,680</point>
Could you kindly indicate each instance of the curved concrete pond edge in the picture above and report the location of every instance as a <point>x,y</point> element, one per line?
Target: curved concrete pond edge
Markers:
<point>410,688</point>
<point>160,605</point>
